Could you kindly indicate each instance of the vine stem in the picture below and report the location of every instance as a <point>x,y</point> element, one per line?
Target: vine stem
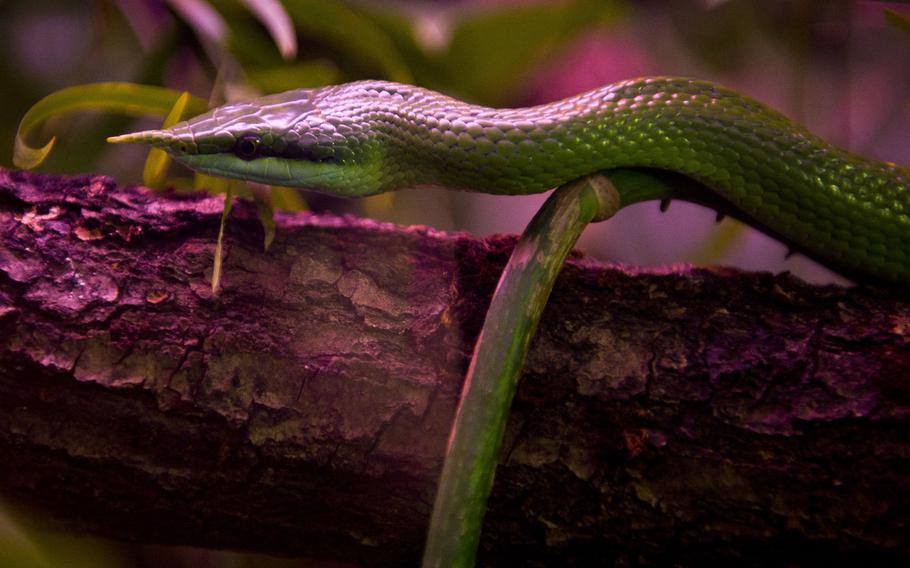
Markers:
<point>519,300</point>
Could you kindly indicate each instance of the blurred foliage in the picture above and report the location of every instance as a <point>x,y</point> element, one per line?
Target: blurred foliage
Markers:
<point>898,21</point>
<point>490,55</point>
<point>244,44</point>
<point>722,38</point>
<point>229,49</point>
<point>360,42</point>
<point>155,171</point>
<point>220,50</point>
<point>124,98</point>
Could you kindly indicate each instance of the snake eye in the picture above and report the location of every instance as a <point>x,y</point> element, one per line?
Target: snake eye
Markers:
<point>247,147</point>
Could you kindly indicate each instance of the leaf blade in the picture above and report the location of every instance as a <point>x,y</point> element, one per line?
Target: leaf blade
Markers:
<point>156,165</point>
<point>219,247</point>
<point>123,98</point>
<point>205,21</point>
<point>501,46</point>
<point>278,23</point>
<point>897,20</point>
<point>352,32</point>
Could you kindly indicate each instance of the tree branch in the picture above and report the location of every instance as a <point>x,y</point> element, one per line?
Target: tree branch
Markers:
<point>685,415</point>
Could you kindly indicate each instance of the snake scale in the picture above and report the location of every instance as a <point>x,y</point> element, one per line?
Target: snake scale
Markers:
<point>368,137</point>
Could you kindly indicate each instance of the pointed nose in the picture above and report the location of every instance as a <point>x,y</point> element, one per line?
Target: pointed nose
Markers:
<point>177,139</point>
<point>153,137</point>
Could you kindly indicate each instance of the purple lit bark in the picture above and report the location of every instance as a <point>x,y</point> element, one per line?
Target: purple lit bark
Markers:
<point>685,416</point>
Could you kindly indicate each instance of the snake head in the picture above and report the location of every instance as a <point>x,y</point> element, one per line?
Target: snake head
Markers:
<point>283,139</point>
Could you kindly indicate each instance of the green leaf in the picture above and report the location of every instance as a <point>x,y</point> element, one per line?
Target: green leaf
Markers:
<point>28,158</point>
<point>727,236</point>
<point>219,249</point>
<point>491,53</point>
<point>378,206</point>
<point>262,197</point>
<point>17,548</point>
<point>898,21</point>
<point>287,77</point>
<point>202,18</point>
<point>717,32</point>
<point>158,160</point>
<point>122,98</point>
<point>288,199</point>
<point>248,41</point>
<point>230,188</point>
<point>276,20</point>
<point>351,33</point>
<point>399,28</point>
<point>218,185</point>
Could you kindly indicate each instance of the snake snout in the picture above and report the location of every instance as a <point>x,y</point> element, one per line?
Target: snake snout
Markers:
<point>171,139</point>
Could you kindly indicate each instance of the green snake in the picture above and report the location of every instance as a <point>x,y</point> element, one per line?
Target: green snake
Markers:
<point>653,138</point>
<point>369,137</point>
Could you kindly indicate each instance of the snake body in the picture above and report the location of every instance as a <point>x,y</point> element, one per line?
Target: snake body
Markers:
<point>369,137</point>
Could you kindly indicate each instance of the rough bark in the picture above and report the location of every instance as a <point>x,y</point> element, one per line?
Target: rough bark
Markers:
<point>682,416</point>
